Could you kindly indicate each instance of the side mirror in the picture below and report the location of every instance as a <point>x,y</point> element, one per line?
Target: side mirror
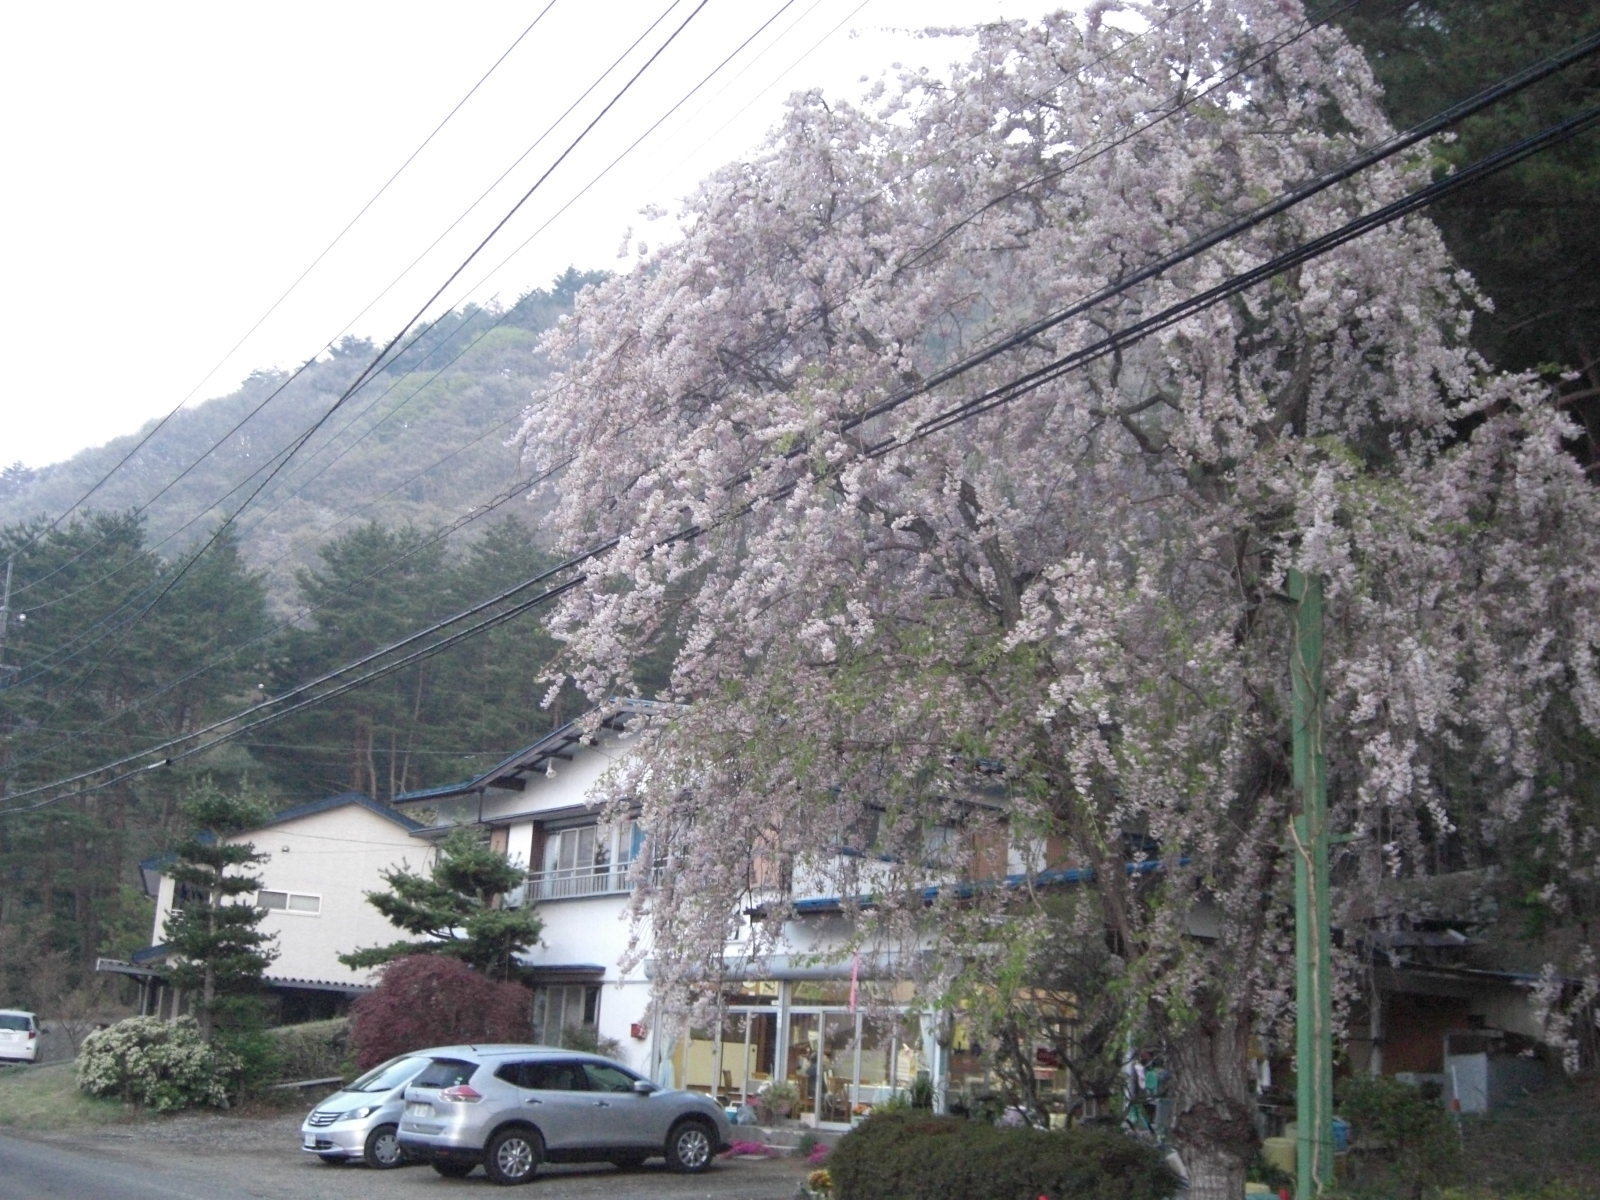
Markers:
<point>644,1087</point>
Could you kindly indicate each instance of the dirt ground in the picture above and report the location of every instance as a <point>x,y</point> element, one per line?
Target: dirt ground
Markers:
<point>258,1156</point>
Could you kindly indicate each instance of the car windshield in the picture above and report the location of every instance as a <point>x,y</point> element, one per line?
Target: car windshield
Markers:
<point>18,1021</point>
<point>389,1076</point>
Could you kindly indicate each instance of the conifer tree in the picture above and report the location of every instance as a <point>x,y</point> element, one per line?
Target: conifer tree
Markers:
<point>454,910</point>
<point>213,934</point>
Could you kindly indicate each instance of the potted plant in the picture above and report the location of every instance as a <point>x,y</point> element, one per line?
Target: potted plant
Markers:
<point>818,1185</point>
<point>777,1100</point>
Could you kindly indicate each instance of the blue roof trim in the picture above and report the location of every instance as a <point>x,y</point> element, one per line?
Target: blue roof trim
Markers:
<point>148,954</point>
<point>1062,877</point>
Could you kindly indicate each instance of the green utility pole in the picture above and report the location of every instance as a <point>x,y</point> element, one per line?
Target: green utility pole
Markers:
<point>1313,991</point>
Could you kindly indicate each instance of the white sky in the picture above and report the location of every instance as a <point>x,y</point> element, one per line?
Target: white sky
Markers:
<point>172,166</point>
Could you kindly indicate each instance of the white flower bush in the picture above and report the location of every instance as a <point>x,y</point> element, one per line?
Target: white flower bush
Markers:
<point>163,1065</point>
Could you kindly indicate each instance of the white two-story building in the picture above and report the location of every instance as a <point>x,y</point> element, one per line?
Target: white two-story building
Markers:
<point>847,1030</point>
<point>322,858</point>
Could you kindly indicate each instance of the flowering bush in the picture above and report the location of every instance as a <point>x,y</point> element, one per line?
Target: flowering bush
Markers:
<point>164,1065</point>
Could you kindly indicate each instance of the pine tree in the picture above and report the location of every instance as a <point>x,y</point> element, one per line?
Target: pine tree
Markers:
<point>218,949</point>
<point>453,910</point>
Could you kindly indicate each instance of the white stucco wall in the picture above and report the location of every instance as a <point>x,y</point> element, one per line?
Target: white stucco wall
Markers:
<point>338,856</point>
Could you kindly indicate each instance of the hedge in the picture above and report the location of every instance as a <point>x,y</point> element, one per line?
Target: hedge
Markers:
<point>917,1156</point>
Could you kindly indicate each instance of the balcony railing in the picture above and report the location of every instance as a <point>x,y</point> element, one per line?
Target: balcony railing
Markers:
<point>568,883</point>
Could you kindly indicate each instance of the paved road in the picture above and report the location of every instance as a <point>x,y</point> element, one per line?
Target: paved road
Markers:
<point>209,1157</point>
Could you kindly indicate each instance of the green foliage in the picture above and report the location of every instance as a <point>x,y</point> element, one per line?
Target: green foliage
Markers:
<point>162,1065</point>
<point>587,1038</point>
<point>1406,1139</point>
<point>213,935</point>
<point>1526,233</point>
<point>451,909</point>
<point>920,1093</point>
<point>241,1031</point>
<point>90,642</point>
<point>1547,1191</point>
<point>1013,1003</point>
<point>917,1156</point>
<point>374,586</point>
<point>313,1050</point>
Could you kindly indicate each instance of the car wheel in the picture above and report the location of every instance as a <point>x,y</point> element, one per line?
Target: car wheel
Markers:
<point>513,1155</point>
<point>453,1170</point>
<point>383,1149</point>
<point>690,1146</point>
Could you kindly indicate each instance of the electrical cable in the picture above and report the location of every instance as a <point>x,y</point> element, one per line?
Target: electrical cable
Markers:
<point>1389,147</point>
<point>499,266</point>
<point>1358,227</point>
<point>282,458</point>
<point>85,638</point>
<point>276,304</point>
<point>1351,167</point>
<point>482,196</point>
<point>141,702</point>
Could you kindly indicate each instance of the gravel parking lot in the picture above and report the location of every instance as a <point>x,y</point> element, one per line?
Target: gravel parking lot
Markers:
<point>259,1157</point>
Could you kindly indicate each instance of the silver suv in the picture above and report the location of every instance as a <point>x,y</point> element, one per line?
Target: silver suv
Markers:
<point>512,1107</point>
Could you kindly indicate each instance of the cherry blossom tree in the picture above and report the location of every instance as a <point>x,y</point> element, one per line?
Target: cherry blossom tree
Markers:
<point>1072,600</point>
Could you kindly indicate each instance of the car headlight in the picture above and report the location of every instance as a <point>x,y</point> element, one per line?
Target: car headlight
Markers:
<point>358,1114</point>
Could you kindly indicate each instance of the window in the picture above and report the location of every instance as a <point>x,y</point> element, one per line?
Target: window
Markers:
<point>544,1076</point>
<point>603,1077</point>
<point>561,1008</point>
<point>584,860</point>
<point>294,902</point>
<point>185,894</point>
<point>445,1073</point>
<point>572,849</point>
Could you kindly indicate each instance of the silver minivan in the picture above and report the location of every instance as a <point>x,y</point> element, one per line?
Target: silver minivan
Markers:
<point>19,1036</point>
<point>360,1120</point>
<point>510,1107</point>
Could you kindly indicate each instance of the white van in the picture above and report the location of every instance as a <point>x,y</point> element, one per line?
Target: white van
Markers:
<point>19,1036</point>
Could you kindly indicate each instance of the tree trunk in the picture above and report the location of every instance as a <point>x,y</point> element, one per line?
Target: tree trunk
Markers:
<point>1214,1127</point>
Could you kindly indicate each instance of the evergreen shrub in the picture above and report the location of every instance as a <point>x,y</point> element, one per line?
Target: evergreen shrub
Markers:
<point>913,1155</point>
<point>162,1065</point>
<point>314,1049</point>
<point>1407,1140</point>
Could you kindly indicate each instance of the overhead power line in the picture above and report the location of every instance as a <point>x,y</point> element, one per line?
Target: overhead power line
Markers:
<point>90,636</point>
<point>306,695</point>
<point>276,304</point>
<point>281,459</point>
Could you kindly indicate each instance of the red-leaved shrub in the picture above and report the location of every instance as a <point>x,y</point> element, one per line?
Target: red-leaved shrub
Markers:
<point>435,1000</point>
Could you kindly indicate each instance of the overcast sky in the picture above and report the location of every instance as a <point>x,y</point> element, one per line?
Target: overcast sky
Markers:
<point>173,167</point>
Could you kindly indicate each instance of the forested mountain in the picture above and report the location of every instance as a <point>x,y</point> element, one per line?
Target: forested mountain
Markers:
<point>426,442</point>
